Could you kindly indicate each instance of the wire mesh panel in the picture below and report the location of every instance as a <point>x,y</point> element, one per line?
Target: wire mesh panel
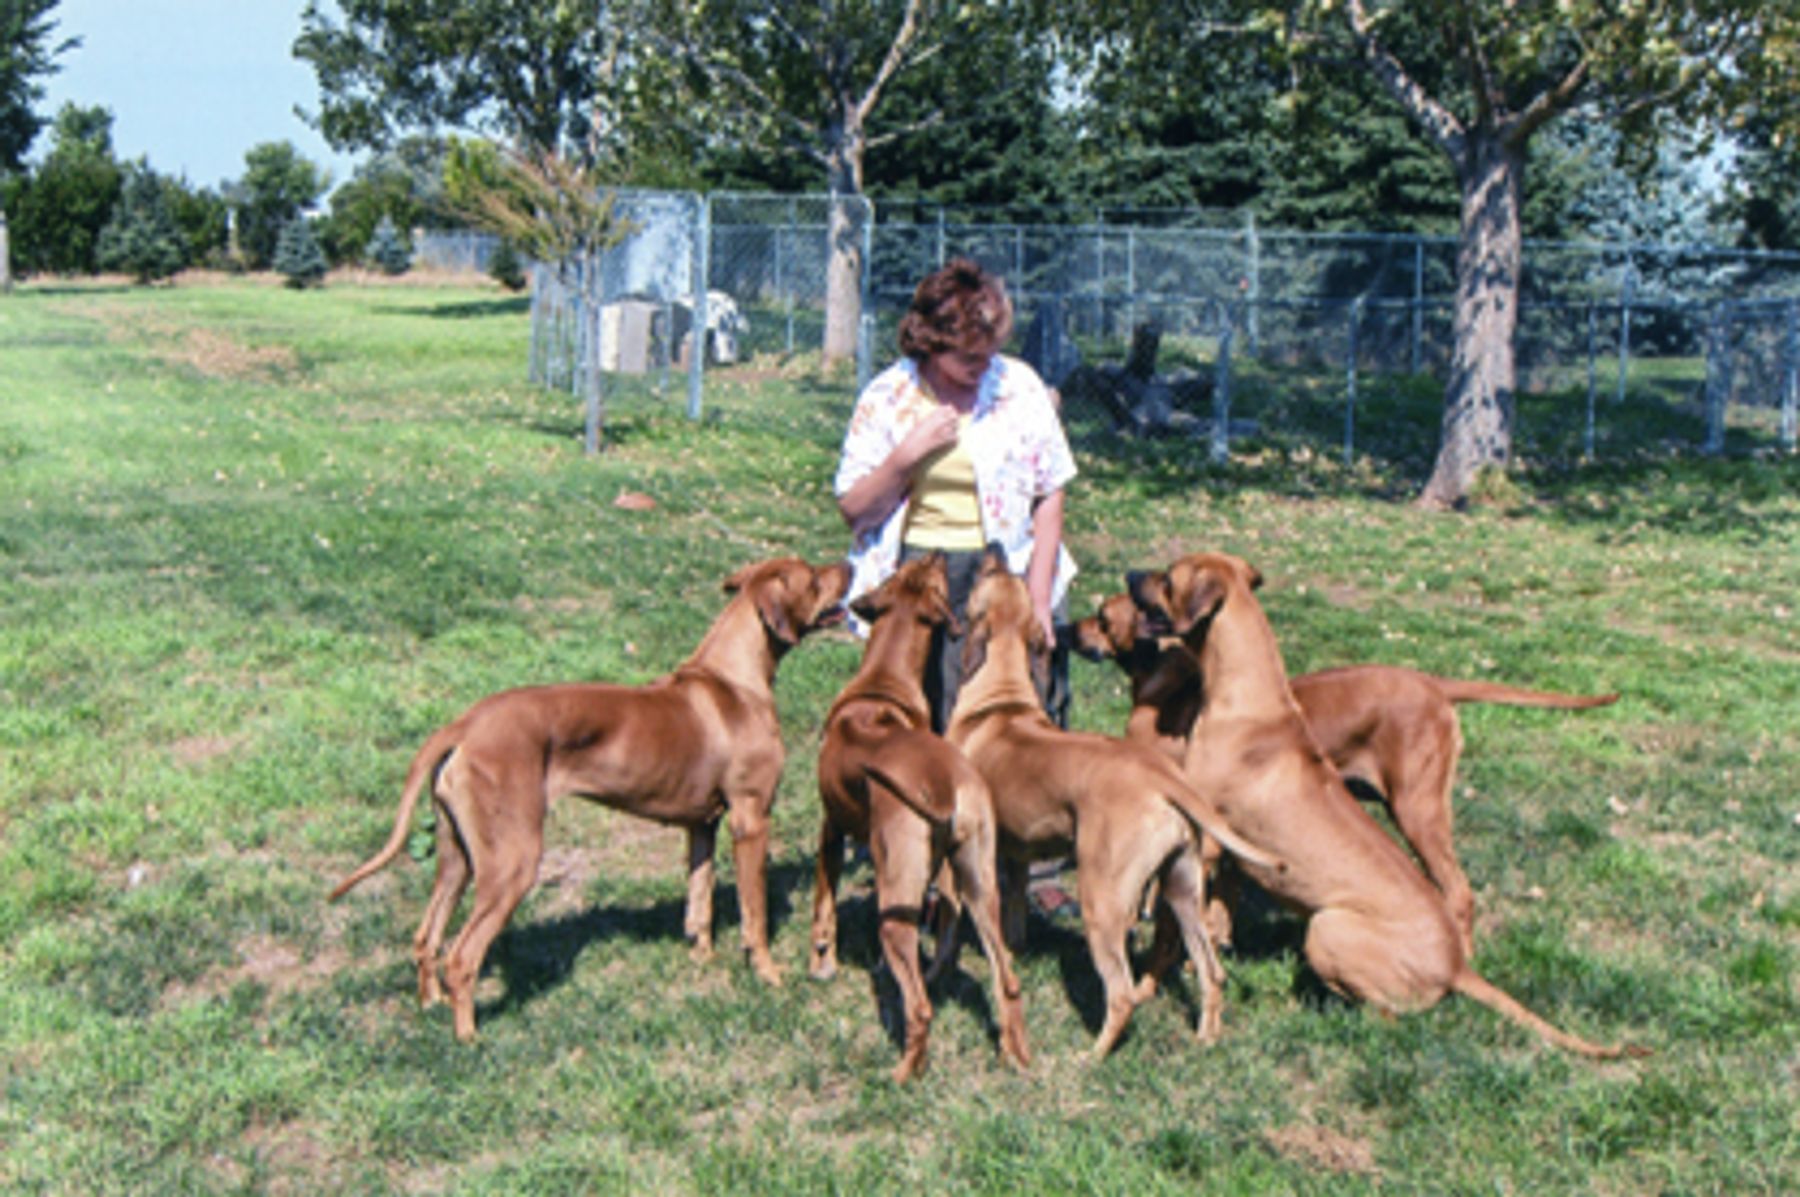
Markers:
<point>1687,342</point>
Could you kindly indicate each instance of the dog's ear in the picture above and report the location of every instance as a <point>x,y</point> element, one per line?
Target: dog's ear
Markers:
<point>772,607</point>
<point>1037,646</point>
<point>870,606</point>
<point>993,560</point>
<point>1150,591</point>
<point>974,649</point>
<point>1091,640</point>
<point>1256,577</point>
<point>1203,599</point>
<point>741,578</point>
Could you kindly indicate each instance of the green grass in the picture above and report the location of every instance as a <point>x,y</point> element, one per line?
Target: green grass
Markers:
<point>258,543</point>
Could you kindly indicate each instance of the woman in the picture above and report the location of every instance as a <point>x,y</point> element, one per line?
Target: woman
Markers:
<point>954,446</point>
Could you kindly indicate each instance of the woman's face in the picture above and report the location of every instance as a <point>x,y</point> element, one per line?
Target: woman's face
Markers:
<point>962,368</point>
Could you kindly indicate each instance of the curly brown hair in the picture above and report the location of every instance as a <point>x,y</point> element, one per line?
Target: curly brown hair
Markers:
<point>957,308</point>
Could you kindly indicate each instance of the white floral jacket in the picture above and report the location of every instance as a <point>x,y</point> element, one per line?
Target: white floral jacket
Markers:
<point>1015,440</point>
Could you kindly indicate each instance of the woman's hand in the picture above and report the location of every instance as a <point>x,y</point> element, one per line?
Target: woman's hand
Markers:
<point>937,430</point>
<point>880,490</point>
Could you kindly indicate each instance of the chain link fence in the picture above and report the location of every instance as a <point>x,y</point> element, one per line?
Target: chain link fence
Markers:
<point>1196,323</point>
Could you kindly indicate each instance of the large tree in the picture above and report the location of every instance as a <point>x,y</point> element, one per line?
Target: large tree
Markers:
<point>805,80</point>
<point>27,54</point>
<point>1480,79</point>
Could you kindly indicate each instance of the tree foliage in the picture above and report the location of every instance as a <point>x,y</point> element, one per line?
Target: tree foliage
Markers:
<point>529,72</point>
<point>297,255</point>
<point>403,184</point>
<point>277,186</point>
<point>141,237</point>
<point>28,53</point>
<point>60,213</point>
<point>536,200</point>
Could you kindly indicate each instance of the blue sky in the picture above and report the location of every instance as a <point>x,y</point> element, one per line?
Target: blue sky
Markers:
<point>192,84</point>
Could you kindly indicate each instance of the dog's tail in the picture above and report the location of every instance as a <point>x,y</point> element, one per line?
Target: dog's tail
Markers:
<point>1472,984</point>
<point>1181,794</point>
<point>1458,690</point>
<point>919,769</point>
<point>424,767</point>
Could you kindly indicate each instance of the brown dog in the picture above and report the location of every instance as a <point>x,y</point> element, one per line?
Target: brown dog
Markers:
<point>1122,807</point>
<point>1393,729</point>
<point>686,749</point>
<point>886,780</point>
<point>1378,931</point>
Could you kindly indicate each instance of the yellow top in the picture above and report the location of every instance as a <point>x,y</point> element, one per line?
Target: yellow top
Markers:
<point>945,512</point>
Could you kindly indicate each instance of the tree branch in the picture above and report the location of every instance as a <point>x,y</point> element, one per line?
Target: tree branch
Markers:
<point>1439,123</point>
<point>890,65</point>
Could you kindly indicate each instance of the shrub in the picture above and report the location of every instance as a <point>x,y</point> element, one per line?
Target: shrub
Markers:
<point>505,268</point>
<point>297,254</point>
<point>388,250</point>
<point>140,238</point>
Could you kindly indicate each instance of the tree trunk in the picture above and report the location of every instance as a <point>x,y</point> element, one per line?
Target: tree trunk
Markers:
<point>5,255</point>
<point>844,265</point>
<point>1478,399</point>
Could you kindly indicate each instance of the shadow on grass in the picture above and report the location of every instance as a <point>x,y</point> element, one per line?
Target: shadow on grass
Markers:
<point>535,957</point>
<point>472,309</point>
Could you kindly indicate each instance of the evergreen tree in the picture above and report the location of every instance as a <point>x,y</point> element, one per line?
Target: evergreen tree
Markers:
<point>278,185</point>
<point>141,238</point>
<point>505,268</point>
<point>387,250</point>
<point>297,254</point>
<point>60,214</point>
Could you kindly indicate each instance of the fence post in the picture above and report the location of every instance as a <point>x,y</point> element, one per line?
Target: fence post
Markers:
<point>1790,391</point>
<point>1417,346</point>
<point>1221,424</point>
<point>1718,377</point>
<point>589,318</point>
<point>1625,288</point>
<point>785,287</point>
<point>534,371</point>
<point>865,350</point>
<point>702,276</point>
<point>1253,284</point>
<point>1593,356</point>
<point>1131,308</point>
<point>1351,348</point>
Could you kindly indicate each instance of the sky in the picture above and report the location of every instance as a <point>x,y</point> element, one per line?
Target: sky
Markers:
<point>192,84</point>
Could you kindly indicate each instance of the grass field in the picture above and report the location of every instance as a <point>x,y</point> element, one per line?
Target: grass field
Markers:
<point>258,543</point>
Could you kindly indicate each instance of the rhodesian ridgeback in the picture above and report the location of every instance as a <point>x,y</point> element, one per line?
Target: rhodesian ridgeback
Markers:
<point>691,748</point>
<point>1123,808</point>
<point>1377,930</point>
<point>888,781</point>
<point>1392,729</point>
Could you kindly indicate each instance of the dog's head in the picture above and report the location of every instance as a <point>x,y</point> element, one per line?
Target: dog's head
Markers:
<point>999,606</point>
<point>792,597</point>
<point>1111,632</point>
<point>1182,600</point>
<point>920,587</point>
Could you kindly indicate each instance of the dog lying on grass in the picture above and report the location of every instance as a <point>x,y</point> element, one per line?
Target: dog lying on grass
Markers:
<point>691,748</point>
<point>1393,730</point>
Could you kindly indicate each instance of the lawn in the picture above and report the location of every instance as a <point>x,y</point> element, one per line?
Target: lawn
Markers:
<point>259,543</point>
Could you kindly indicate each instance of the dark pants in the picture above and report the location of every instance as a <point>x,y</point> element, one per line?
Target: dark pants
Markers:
<point>943,668</point>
